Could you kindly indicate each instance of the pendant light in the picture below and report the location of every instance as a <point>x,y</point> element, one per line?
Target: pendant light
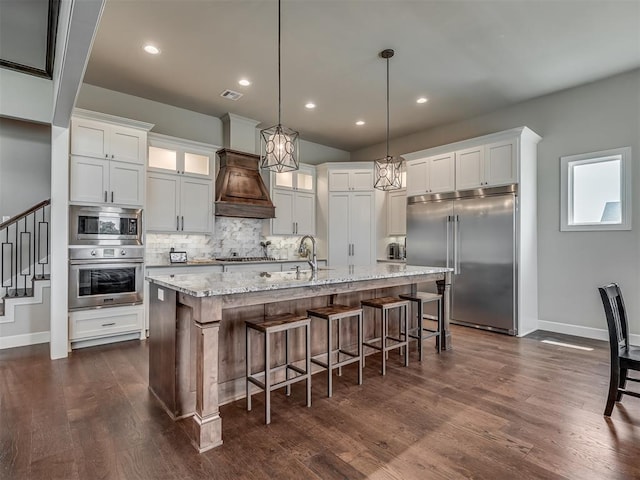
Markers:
<point>388,168</point>
<point>279,145</point>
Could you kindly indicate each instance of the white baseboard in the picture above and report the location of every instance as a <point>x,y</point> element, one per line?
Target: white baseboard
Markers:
<point>580,331</point>
<point>24,340</point>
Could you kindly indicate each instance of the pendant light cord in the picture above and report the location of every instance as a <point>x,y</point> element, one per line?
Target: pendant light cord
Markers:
<point>387,108</point>
<point>279,82</point>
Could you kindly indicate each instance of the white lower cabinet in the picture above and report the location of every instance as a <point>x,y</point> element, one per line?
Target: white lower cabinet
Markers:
<point>179,204</point>
<point>351,231</point>
<point>105,325</point>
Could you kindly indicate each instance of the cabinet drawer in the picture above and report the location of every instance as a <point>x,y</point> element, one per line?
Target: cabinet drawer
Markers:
<point>104,322</point>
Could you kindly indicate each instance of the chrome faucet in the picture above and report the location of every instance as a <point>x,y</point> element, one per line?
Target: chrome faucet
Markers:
<point>314,259</point>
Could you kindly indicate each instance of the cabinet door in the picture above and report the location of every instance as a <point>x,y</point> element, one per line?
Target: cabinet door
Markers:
<point>339,245</point>
<point>196,199</point>
<point>305,213</point>
<point>442,173</point>
<point>305,180</point>
<point>126,182</point>
<point>162,202</point>
<point>89,138</point>
<point>417,175</point>
<point>283,223</point>
<point>501,163</point>
<point>397,213</point>
<point>127,144</point>
<point>361,180</point>
<point>197,164</point>
<point>339,181</point>
<point>361,231</point>
<point>89,182</point>
<point>470,168</point>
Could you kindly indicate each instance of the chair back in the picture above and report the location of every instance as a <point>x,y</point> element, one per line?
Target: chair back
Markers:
<point>616,317</point>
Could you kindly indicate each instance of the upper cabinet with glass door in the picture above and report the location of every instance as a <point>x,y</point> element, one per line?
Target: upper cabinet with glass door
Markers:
<point>303,180</point>
<point>179,156</point>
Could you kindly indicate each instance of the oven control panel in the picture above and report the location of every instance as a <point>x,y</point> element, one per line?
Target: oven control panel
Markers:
<point>101,253</point>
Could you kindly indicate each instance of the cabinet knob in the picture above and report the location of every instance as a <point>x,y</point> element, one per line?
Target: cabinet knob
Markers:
<point>112,155</point>
<point>93,253</point>
<point>123,252</point>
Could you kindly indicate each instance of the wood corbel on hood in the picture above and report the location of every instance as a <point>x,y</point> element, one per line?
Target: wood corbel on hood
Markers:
<point>240,191</point>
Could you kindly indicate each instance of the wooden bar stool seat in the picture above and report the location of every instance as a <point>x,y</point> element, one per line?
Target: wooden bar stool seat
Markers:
<point>420,332</point>
<point>387,342</point>
<point>336,355</point>
<point>284,322</point>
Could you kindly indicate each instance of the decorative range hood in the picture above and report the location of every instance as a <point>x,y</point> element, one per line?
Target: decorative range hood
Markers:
<point>240,191</point>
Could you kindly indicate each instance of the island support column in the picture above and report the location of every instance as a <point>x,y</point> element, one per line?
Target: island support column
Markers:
<point>207,423</point>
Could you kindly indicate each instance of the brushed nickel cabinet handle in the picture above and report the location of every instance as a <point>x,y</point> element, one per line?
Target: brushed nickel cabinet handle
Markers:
<point>178,222</point>
<point>105,196</point>
<point>109,324</point>
<point>183,223</point>
<point>112,197</point>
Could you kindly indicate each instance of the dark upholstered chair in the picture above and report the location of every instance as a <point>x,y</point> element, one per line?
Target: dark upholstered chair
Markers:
<point>623,357</point>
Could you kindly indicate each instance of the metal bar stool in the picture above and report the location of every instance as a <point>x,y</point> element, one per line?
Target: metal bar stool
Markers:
<point>420,332</point>
<point>285,322</point>
<point>384,304</point>
<point>329,314</point>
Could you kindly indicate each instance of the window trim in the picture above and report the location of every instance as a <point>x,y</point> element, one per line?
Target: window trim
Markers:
<point>566,188</point>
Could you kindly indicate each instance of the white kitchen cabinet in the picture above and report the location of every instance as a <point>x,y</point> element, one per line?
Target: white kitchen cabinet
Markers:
<point>488,165</point>
<point>431,175</point>
<point>103,325</point>
<point>179,156</point>
<point>351,231</point>
<point>295,213</point>
<point>293,195</point>
<point>350,180</point>
<point>100,181</point>
<point>92,138</point>
<point>397,212</point>
<point>179,204</point>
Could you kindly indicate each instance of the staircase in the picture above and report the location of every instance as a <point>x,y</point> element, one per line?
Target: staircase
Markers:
<point>24,257</point>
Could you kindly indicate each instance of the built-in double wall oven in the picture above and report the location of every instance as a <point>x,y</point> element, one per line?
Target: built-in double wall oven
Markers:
<point>106,257</point>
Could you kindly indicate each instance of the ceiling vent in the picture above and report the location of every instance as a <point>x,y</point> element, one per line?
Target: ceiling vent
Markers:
<point>231,95</point>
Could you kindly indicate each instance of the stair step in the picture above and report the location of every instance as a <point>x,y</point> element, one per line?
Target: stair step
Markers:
<point>42,277</point>
<point>19,293</point>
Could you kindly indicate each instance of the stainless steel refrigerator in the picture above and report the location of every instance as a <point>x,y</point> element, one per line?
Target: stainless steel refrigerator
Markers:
<point>473,232</point>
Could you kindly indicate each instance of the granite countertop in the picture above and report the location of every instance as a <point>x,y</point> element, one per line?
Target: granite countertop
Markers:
<point>213,284</point>
<point>209,262</point>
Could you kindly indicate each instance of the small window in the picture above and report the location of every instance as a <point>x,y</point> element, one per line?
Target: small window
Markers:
<point>596,191</point>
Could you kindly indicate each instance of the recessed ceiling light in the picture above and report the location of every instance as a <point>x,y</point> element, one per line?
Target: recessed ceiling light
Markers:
<point>310,105</point>
<point>360,122</point>
<point>422,100</point>
<point>244,82</point>
<point>151,49</point>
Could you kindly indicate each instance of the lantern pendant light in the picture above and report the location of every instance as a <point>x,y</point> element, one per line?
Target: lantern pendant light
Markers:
<point>279,147</point>
<point>388,169</point>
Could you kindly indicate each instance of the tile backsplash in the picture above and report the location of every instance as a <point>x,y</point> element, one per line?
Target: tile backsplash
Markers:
<point>232,235</point>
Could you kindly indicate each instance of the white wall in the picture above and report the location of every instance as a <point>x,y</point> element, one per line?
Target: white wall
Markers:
<point>25,165</point>
<point>25,96</point>
<point>571,265</point>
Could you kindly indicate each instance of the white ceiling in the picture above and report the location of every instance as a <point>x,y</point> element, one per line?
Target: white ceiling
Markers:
<point>467,57</point>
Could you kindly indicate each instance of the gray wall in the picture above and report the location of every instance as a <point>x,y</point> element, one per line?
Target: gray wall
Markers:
<point>168,120</point>
<point>593,117</point>
<point>25,165</point>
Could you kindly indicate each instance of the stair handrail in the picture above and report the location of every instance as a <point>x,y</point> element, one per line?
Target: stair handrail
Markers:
<point>26,213</point>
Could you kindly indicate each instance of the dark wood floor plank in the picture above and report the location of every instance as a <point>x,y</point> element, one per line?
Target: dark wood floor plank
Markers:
<point>494,407</point>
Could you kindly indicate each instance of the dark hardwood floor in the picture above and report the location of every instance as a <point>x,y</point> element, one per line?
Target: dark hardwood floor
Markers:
<point>495,407</point>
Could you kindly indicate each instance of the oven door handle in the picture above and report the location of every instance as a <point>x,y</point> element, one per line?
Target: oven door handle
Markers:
<point>106,261</point>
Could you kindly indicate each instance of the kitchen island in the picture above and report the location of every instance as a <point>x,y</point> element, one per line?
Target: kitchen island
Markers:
<point>196,330</point>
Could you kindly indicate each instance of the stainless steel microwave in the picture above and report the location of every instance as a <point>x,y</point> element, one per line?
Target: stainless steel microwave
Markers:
<point>104,226</point>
